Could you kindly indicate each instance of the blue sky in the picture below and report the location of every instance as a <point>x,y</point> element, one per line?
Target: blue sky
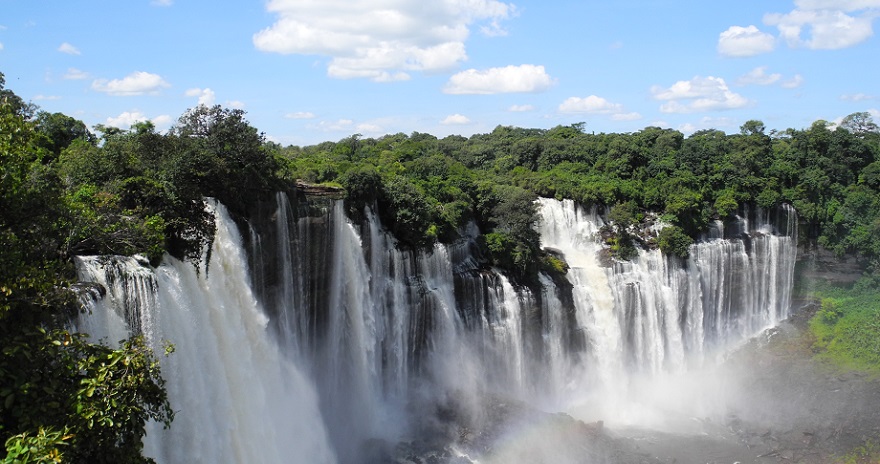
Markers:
<point>308,71</point>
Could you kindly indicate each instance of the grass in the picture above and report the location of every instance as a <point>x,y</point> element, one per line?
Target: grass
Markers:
<point>867,453</point>
<point>847,327</point>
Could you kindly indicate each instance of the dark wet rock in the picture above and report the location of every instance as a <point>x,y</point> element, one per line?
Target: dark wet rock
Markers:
<point>801,409</point>
<point>315,190</point>
<point>506,431</point>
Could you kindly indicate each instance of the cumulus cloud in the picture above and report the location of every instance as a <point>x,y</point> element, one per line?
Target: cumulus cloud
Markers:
<point>136,83</point>
<point>75,74</point>
<point>520,108</point>
<point>368,128</point>
<point>206,95</point>
<point>844,5</point>
<point>509,79</point>
<point>826,24</point>
<point>300,115</point>
<point>698,94</point>
<point>707,123</point>
<point>591,104</point>
<point>626,116</point>
<point>857,97</point>
<point>162,122</point>
<point>739,41</point>
<point>335,126</point>
<point>812,24</point>
<point>455,120</point>
<point>597,105</point>
<point>378,39</point>
<point>794,82</point>
<point>69,49</point>
<point>759,76</point>
<point>126,119</point>
<point>129,118</point>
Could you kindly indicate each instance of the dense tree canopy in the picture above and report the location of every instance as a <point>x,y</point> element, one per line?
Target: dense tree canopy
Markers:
<point>829,173</point>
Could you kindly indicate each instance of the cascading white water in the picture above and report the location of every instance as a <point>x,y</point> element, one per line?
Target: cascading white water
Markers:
<point>360,340</point>
<point>655,316</point>
<point>237,398</point>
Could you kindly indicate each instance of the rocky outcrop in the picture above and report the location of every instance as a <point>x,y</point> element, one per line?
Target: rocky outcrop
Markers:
<point>817,265</point>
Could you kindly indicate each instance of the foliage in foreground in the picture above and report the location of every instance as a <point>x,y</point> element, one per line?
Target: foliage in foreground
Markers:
<point>62,398</point>
<point>847,327</point>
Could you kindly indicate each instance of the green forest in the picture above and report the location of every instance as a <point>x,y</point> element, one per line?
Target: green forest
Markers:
<point>68,190</point>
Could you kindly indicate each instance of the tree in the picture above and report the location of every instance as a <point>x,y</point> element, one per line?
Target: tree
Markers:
<point>859,124</point>
<point>674,241</point>
<point>238,168</point>
<point>60,130</point>
<point>752,127</point>
<point>61,397</point>
<point>14,103</point>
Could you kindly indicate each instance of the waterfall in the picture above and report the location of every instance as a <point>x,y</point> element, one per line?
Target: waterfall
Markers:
<point>321,339</point>
<point>236,397</point>
<point>656,315</point>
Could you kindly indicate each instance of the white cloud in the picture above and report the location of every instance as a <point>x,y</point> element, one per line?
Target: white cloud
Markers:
<point>591,104</point>
<point>857,97</point>
<point>699,94</point>
<point>162,122</point>
<point>69,49</point>
<point>126,119</point>
<point>334,126</point>
<point>347,126</point>
<point>660,123</point>
<point>47,97</point>
<point>237,104</point>
<point>521,108</point>
<point>129,118</point>
<point>759,76</point>
<point>844,5</point>
<point>382,40</point>
<point>368,128</point>
<point>206,95</point>
<point>1,45</point>
<point>136,83</point>
<point>707,123</point>
<point>626,116</point>
<point>829,29</point>
<point>455,120</point>
<point>738,41</point>
<point>509,79</point>
<point>687,128</point>
<point>75,74</point>
<point>794,82</point>
<point>162,2</point>
<point>597,105</point>
<point>300,115</point>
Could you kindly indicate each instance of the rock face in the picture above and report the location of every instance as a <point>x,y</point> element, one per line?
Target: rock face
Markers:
<point>800,410</point>
<point>314,190</point>
<point>818,265</point>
